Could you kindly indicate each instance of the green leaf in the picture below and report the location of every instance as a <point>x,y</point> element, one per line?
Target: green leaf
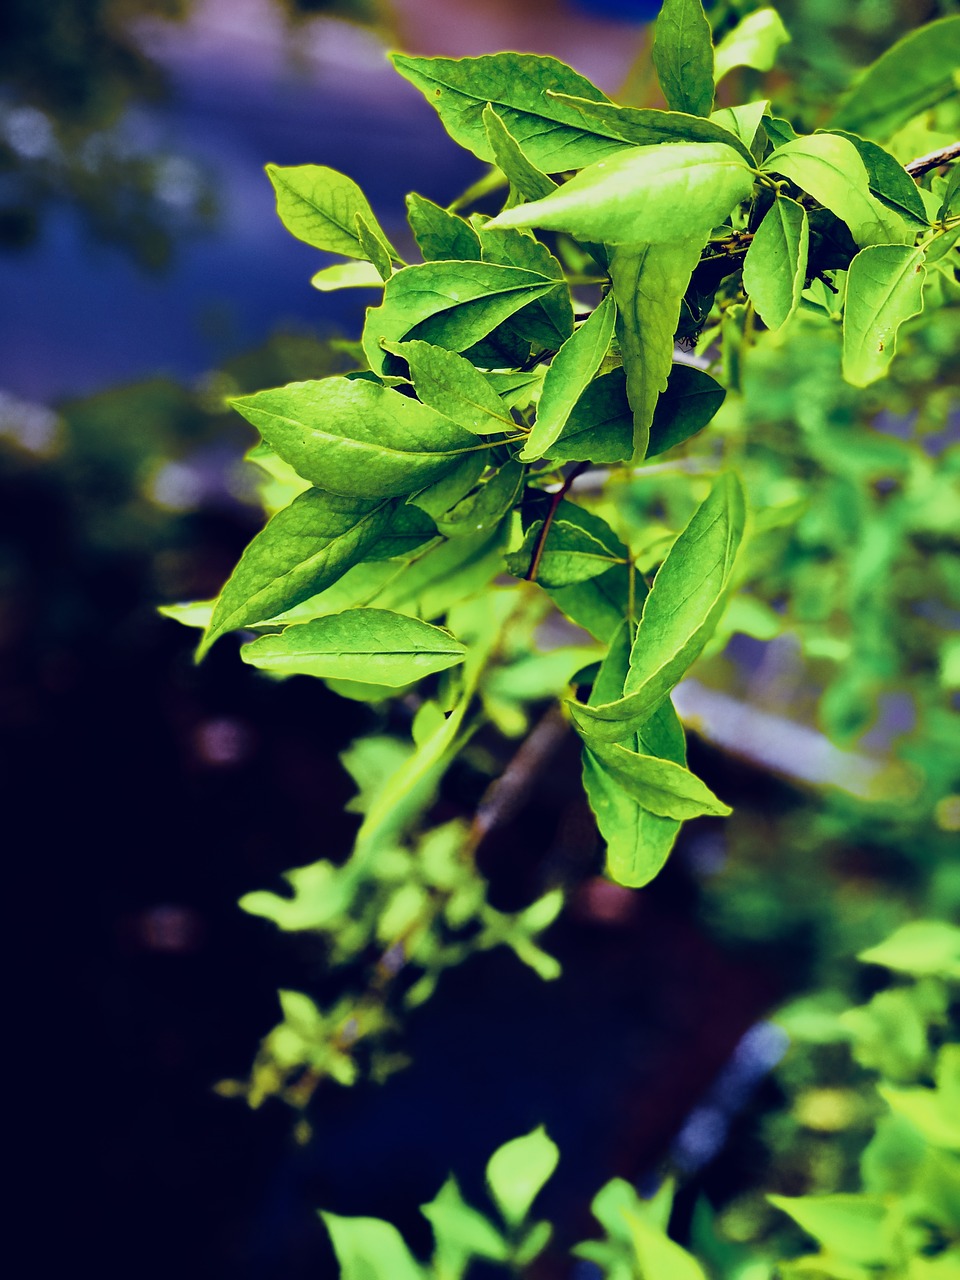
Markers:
<point>659,1257</point>
<point>679,614</point>
<point>914,74</point>
<point>454,485</point>
<point>888,179</point>
<point>518,1170</point>
<point>572,369</point>
<point>370,645</point>
<point>449,304</point>
<point>644,195</point>
<point>516,85</point>
<point>483,509</point>
<point>320,207</point>
<point>649,282</point>
<point>439,234</point>
<point>744,121</point>
<point>753,42</point>
<point>461,1231</point>
<point>600,428</point>
<point>347,275</point>
<point>683,56</point>
<point>547,321</point>
<point>828,167</point>
<point>304,548</point>
<point>196,613</point>
<point>374,247</point>
<point>454,387</point>
<point>600,604</point>
<point>664,788</point>
<point>884,288</point>
<point>850,1226</point>
<point>445,574</point>
<point>539,675</point>
<point>920,948</point>
<point>644,126</point>
<point>370,1249</point>
<point>950,204</point>
<point>351,436</point>
<point>512,161</point>
<point>570,554</point>
<point>775,268</point>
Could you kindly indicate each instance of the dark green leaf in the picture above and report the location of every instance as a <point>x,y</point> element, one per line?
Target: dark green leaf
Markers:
<point>320,207</point>
<point>679,614</point>
<point>888,179</point>
<point>829,168</point>
<point>905,80</point>
<point>569,555</point>
<point>884,288</point>
<point>449,304</point>
<point>691,400</point>
<point>649,282</point>
<point>445,574</point>
<point>775,267</point>
<point>373,646</point>
<point>483,509</point>
<point>551,133</point>
<point>683,56</point>
<point>305,548</point>
<point>570,372</point>
<point>645,195</point>
<point>753,42</point>
<point>441,235</point>
<point>453,485</point>
<point>644,126</point>
<point>950,204</point>
<point>512,161</point>
<point>454,387</point>
<point>355,437</point>
<point>410,528</point>
<point>547,320</point>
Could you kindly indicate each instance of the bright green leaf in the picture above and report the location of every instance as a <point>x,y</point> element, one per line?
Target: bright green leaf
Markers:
<point>454,387</point>
<point>659,1257</point>
<point>370,1249</point>
<point>462,1232</point>
<point>850,1226</point>
<point>664,788</point>
<point>347,275</point>
<point>920,948</point>
<point>888,179</point>
<point>570,554</point>
<point>374,247</point>
<point>441,235</point>
<point>683,56</point>
<point>320,207</point>
<point>373,646</point>
<point>744,121</point>
<point>511,159</point>
<point>351,436</point>
<point>644,126</point>
<point>775,268</point>
<point>518,1170</point>
<point>753,42</point>
<point>884,288</point>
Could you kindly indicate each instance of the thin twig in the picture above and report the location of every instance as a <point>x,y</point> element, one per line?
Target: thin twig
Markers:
<point>558,497</point>
<point>933,160</point>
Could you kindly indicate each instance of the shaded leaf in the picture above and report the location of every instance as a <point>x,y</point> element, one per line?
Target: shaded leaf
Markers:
<point>374,247</point>
<point>548,320</point>
<point>775,267</point>
<point>483,509</point>
<point>884,288</point>
<point>569,554</point>
<point>683,56</point>
<point>441,235</point>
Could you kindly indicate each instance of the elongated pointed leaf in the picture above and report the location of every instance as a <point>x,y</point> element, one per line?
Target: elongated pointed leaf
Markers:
<point>569,554</point>
<point>304,549</point>
<point>547,320</point>
<point>517,1171</point>
<point>351,436</point>
<point>829,168</point>
<point>753,42</point>
<point>649,282</point>
<point>441,235</point>
<point>347,275</point>
<point>884,288</point>
<point>909,77</point>
<point>374,247</point>
<point>683,56</point>
<point>320,207</point>
<point>664,788</point>
<point>513,162</point>
<point>453,485</point>
<point>775,267</point>
<point>370,645</point>
<point>644,126</point>
<point>516,85</point>
<point>571,371</point>
<point>450,304</point>
<point>679,614</point>
<point>454,387</point>
<point>645,195</point>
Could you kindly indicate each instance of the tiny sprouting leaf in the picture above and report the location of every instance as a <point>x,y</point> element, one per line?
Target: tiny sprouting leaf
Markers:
<point>644,195</point>
<point>884,288</point>
<point>320,206</point>
<point>775,267</point>
<point>517,1171</point>
<point>441,235</point>
<point>754,42</point>
<point>683,56</point>
<point>373,646</point>
<point>352,436</point>
<point>570,372</point>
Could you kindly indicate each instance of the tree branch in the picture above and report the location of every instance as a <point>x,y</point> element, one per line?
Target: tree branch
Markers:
<point>933,160</point>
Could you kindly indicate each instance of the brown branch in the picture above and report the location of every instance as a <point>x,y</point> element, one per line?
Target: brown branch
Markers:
<point>531,574</point>
<point>933,160</point>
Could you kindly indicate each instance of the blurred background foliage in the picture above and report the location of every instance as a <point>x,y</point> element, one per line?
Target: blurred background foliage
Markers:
<point>153,790</point>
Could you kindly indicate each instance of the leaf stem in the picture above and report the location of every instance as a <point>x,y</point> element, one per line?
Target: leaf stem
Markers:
<point>558,497</point>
